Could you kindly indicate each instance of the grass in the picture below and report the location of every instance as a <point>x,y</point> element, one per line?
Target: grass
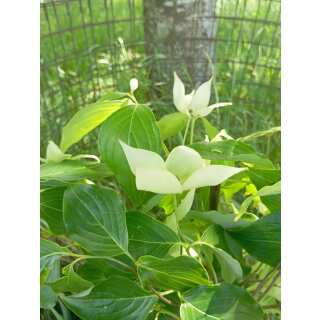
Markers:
<point>80,63</point>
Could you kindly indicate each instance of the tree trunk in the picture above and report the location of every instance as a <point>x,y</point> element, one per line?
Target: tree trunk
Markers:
<point>178,33</point>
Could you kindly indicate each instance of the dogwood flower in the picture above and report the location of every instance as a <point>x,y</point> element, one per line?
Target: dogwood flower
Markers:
<point>195,103</point>
<point>183,170</point>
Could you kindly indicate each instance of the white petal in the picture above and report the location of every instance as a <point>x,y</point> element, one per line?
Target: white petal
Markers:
<point>183,161</point>
<point>220,104</point>
<point>201,97</point>
<point>185,205</point>
<point>141,158</point>
<point>178,91</point>
<point>183,104</point>
<point>205,111</point>
<point>211,175</point>
<point>157,181</point>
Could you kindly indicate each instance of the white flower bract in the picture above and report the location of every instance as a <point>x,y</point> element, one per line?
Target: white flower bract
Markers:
<point>196,102</point>
<point>183,170</point>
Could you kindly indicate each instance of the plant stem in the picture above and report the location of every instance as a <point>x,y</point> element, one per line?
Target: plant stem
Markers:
<point>193,120</point>
<point>177,224</point>
<point>251,275</point>
<point>133,98</point>
<point>274,280</point>
<point>272,306</point>
<point>167,301</point>
<point>265,279</point>
<point>186,132</point>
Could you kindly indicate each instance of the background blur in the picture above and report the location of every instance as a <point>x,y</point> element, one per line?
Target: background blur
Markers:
<point>90,46</point>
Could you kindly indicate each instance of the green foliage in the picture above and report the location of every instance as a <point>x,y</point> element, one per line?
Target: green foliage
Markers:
<point>94,217</point>
<point>115,298</point>
<point>87,119</point>
<point>111,250</point>
<point>134,125</point>
<point>223,301</point>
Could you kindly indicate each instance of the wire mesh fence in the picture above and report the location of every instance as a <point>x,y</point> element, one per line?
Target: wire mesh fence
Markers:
<point>89,46</point>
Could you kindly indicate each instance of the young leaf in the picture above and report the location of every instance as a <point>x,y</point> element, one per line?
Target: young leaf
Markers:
<point>171,124</point>
<point>148,236</point>
<point>222,301</point>
<point>113,299</point>
<point>85,120</point>
<point>262,239</point>
<point>178,273</point>
<point>94,217</point>
<point>136,126</point>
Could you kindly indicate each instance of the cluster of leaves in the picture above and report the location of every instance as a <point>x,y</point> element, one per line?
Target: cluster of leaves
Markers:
<point>113,248</point>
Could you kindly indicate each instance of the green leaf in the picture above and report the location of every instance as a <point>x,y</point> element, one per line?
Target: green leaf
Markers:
<point>92,271</point>
<point>231,150</point>
<point>85,120</point>
<point>151,203</point>
<point>113,95</point>
<point>51,209</point>
<point>230,267</point>
<point>264,177</point>
<point>73,170</point>
<point>94,217</point>
<point>71,282</point>
<point>49,248</point>
<point>262,239</point>
<point>178,273</point>
<point>136,126</point>
<point>274,190</point>
<point>222,301</point>
<point>50,254</point>
<point>113,299</point>
<point>211,131</point>
<point>48,298</point>
<point>171,124</point>
<point>225,220</point>
<point>148,236</point>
